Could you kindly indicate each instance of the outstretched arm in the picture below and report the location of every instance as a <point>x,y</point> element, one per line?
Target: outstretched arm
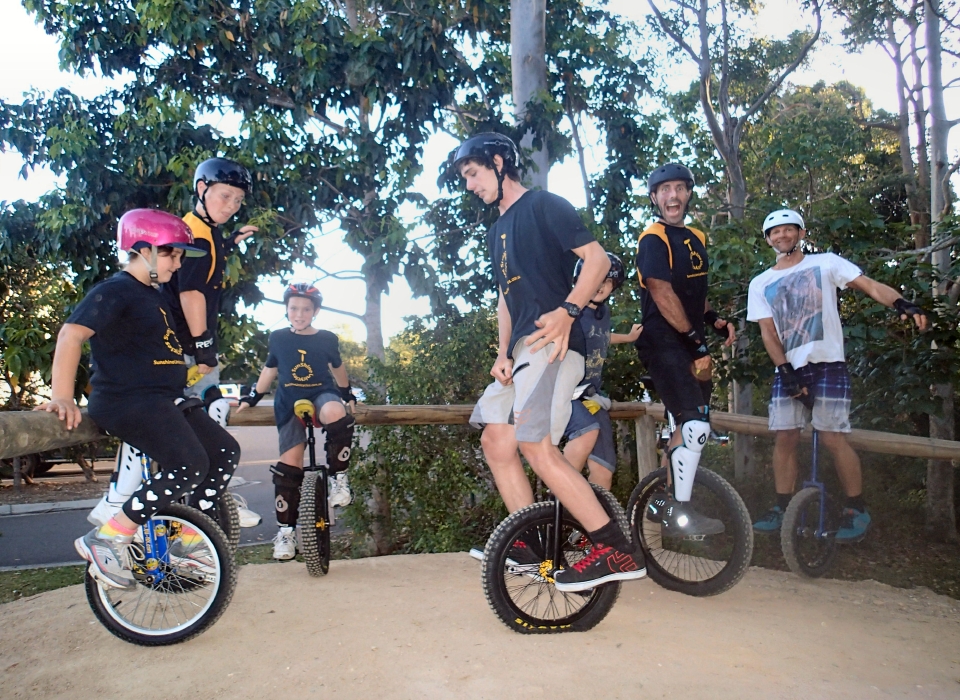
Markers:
<point>888,296</point>
<point>267,375</point>
<point>635,331</point>
<point>66,359</point>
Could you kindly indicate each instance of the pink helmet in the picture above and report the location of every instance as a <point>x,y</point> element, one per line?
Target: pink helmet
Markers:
<point>152,227</point>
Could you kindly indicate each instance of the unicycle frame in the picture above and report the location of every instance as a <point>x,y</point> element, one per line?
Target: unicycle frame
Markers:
<point>814,482</point>
<point>312,466</point>
<point>154,532</point>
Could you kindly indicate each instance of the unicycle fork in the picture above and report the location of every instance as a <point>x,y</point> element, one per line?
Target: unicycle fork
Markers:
<point>315,517</point>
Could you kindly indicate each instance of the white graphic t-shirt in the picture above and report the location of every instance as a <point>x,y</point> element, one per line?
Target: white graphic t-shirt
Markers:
<point>802,301</point>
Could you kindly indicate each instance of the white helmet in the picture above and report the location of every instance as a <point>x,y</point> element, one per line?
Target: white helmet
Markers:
<point>780,217</point>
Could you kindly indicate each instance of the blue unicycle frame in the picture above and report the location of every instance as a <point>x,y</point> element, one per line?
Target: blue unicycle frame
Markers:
<point>154,532</point>
<point>814,482</point>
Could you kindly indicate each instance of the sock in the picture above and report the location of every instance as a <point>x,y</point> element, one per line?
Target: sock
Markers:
<point>114,529</point>
<point>856,502</point>
<point>783,500</point>
<point>611,535</point>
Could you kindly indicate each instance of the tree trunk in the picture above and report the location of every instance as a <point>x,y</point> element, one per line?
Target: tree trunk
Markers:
<point>372,318</point>
<point>528,36</point>
<point>941,520</point>
<point>744,463</point>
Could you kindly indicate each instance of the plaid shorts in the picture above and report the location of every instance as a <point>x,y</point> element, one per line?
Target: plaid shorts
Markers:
<point>829,382</point>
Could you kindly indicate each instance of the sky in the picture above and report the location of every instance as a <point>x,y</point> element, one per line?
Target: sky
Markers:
<point>29,59</point>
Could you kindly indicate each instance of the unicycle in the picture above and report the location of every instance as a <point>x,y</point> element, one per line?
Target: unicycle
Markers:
<point>810,524</point>
<point>521,592</point>
<point>186,575</point>
<point>315,516</point>
<point>701,565</point>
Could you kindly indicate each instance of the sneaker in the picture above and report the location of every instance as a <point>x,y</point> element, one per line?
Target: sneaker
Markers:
<point>110,560</point>
<point>189,548</point>
<point>603,564</point>
<point>104,511</point>
<point>247,517</point>
<point>853,526</point>
<point>285,544</point>
<point>522,553</point>
<point>339,489</point>
<point>770,521</point>
<point>656,507</point>
<point>681,520</point>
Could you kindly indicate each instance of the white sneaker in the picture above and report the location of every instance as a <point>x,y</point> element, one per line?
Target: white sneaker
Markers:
<point>339,489</point>
<point>104,511</point>
<point>285,544</point>
<point>247,517</point>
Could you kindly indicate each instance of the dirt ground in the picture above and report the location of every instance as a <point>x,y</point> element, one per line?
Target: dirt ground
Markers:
<point>419,627</point>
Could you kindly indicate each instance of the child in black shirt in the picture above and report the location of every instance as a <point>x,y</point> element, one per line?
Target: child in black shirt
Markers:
<point>306,362</point>
<point>138,378</point>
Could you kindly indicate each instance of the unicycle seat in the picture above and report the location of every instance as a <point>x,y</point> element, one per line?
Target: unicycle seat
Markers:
<point>305,411</point>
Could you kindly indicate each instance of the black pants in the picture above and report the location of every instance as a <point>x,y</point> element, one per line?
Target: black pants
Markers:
<point>669,363</point>
<point>195,454</point>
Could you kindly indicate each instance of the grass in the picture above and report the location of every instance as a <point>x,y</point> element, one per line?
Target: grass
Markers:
<point>15,585</point>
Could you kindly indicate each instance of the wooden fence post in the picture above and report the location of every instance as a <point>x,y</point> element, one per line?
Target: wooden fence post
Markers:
<point>646,445</point>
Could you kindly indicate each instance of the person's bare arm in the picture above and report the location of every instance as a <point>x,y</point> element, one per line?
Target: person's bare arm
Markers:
<point>721,324</point>
<point>264,382</point>
<point>669,304</point>
<point>618,338</point>
<point>66,359</point>
<point>885,295</point>
<point>343,381</point>
<point>771,341</point>
<point>503,367</point>
<point>554,326</point>
<point>194,306</point>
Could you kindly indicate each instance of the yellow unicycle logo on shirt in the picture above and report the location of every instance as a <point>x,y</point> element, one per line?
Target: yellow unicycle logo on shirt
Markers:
<point>301,371</point>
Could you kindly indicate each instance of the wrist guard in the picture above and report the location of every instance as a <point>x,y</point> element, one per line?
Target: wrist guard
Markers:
<point>907,308</point>
<point>696,344</point>
<point>204,353</point>
<point>346,394</point>
<point>710,318</point>
<point>793,386</point>
<point>253,396</point>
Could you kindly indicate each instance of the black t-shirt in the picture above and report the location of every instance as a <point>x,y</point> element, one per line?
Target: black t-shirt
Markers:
<point>596,334</point>
<point>688,275</point>
<point>134,350</point>
<point>302,371</point>
<point>531,251</point>
<point>203,274</point>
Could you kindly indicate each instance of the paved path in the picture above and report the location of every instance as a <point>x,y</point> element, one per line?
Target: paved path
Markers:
<point>418,627</point>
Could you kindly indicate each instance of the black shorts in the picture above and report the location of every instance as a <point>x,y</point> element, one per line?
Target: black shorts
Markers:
<point>669,363</point>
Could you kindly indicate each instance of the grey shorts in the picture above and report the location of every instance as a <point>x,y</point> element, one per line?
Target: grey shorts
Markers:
<point>293,432</point>
<point>539,397</point>
<point>205,382</point>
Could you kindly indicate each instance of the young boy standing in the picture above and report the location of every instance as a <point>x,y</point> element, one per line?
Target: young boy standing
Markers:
<point>306,362</point>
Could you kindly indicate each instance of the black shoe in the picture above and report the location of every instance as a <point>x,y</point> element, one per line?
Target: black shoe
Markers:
<point>681,520</point>
<point>526,551</point>
<point>603,564</point>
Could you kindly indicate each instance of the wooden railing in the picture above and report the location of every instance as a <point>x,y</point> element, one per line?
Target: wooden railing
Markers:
<point>28,432</point>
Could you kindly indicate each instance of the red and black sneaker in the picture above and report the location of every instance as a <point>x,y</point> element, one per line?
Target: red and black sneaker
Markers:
<point>603,564</point>
<point>526,551</point>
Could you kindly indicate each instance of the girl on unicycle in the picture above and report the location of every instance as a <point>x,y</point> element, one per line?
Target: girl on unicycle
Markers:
<point>138,375</point>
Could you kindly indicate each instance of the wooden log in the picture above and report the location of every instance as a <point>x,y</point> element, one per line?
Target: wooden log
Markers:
<point>28,432</point>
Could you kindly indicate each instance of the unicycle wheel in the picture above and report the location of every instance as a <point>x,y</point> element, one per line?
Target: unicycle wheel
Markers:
<point>177,597</point>
<point>808,549</point>
<point>228,518</point>
<point>520,589</point>
<point>701,566</point>
<point>314,523</point>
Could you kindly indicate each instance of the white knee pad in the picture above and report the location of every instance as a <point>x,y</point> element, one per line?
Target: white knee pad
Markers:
<point>219,410</point>
<point>685,457</point>
<point>129,474</point>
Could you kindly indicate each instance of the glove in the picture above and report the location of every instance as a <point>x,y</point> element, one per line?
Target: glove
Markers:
<point>346,394</point>
<point>711,317</point>
<point>696,344</point>
<point>204,353</point>
<point>792,385</point>
<point>253,396</point>
<point>907,308</point>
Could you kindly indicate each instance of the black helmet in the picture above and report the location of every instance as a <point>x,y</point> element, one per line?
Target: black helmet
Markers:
<point>223,170</point>
<point>484,147</point>
<point>668,172</point>
<point>617,272</point>
<point>305,290</point>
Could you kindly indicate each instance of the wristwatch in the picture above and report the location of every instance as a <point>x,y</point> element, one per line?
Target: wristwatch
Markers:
<point>572,309</point>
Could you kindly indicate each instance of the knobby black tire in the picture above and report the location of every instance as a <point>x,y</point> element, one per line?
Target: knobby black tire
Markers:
<point>228,518</point>
<point>582,611</point>
<point>694,568</point>
<point>314,524</point>
<point>805,554</point>
<point>222,560</point>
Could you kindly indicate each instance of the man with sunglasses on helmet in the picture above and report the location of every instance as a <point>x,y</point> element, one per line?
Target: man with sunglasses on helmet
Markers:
<point>795,303</point>
<point>533,247</point>
<point>306,363</point>
<point>672,266</point>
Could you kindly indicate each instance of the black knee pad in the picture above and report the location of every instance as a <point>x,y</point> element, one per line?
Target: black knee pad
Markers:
<point>339,443</point>
<point>286,487</point>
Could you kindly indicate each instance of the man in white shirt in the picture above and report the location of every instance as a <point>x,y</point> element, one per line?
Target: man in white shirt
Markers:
<point>795,303</point>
